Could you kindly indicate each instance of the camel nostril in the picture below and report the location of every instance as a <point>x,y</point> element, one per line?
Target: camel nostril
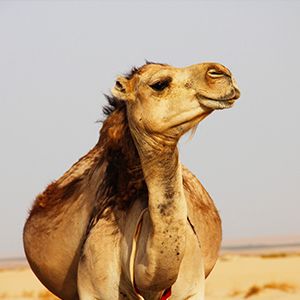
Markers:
<point>216,73</point>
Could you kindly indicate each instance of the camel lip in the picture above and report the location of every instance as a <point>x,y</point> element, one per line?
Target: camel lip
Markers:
<point>220,103</point>
<point>216,104</point>
<point>230,98</point>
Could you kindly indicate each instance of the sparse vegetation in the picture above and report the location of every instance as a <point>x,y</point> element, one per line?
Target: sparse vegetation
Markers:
<point>279,255</point>
<point>42,295</point>
<point>253,291</point>
<point>46,295</point>
<point>284,287</point>
<point>27,294</point>
<point>224,258</point>
<point>275,255</point>
<point>235,293</point>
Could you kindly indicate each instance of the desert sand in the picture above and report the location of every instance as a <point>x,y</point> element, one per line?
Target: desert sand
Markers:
<point>236,276</point>
<point>255,276</point>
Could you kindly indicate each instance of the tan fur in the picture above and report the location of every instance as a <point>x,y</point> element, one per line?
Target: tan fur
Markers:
<point>87,219</point>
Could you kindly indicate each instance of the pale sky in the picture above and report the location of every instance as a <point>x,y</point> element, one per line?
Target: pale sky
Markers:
<point>57,58</point>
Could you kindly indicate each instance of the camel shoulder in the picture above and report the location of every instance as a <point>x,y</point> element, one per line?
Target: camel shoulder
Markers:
<point>204,218</point>
<point>198,196</point>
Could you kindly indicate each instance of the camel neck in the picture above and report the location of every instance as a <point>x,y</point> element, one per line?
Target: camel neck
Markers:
<point>167,217</point>
<point>165,188</point>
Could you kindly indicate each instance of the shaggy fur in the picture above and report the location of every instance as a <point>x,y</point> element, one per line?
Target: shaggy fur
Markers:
<point>123,181</point>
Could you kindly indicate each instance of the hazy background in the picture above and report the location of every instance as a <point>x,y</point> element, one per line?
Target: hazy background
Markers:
<point>57,58</point>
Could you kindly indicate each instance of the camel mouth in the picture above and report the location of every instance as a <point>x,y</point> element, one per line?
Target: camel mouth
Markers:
<point>216,104</point>
<point>220,103</point>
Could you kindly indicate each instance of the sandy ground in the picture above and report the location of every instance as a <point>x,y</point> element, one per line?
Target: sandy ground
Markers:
<point>252,276</point>
<point>257,277</point>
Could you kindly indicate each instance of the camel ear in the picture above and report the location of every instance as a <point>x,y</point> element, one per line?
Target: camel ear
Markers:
<point>122,89</point>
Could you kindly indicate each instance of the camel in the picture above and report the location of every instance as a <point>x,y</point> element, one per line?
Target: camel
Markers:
<point>128,220</point>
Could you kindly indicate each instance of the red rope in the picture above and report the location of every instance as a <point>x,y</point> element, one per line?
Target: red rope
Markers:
<point>167,294</point>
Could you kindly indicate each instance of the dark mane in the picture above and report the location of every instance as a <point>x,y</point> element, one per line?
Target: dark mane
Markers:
<point>113,104</point>
<point>123,180</point>
<point>132,72</point>
<point>135,70</point>
<point>154,63</point>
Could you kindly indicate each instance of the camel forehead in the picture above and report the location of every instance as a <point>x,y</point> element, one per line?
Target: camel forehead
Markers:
<point>153,68</point>
<point>148,71</point>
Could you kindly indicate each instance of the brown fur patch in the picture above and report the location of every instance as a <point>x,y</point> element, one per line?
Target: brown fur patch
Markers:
<point>123,181</point>
<point>66,186</point>
<point>54,195</point>
<point>115,151</point>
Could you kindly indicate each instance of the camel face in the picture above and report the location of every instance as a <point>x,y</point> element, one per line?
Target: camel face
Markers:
<point>170,101</point>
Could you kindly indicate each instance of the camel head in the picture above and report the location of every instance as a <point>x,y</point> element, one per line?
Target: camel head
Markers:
<point>166,101</point>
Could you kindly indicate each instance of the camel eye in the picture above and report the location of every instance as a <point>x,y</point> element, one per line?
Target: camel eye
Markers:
<point>161,85</point>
